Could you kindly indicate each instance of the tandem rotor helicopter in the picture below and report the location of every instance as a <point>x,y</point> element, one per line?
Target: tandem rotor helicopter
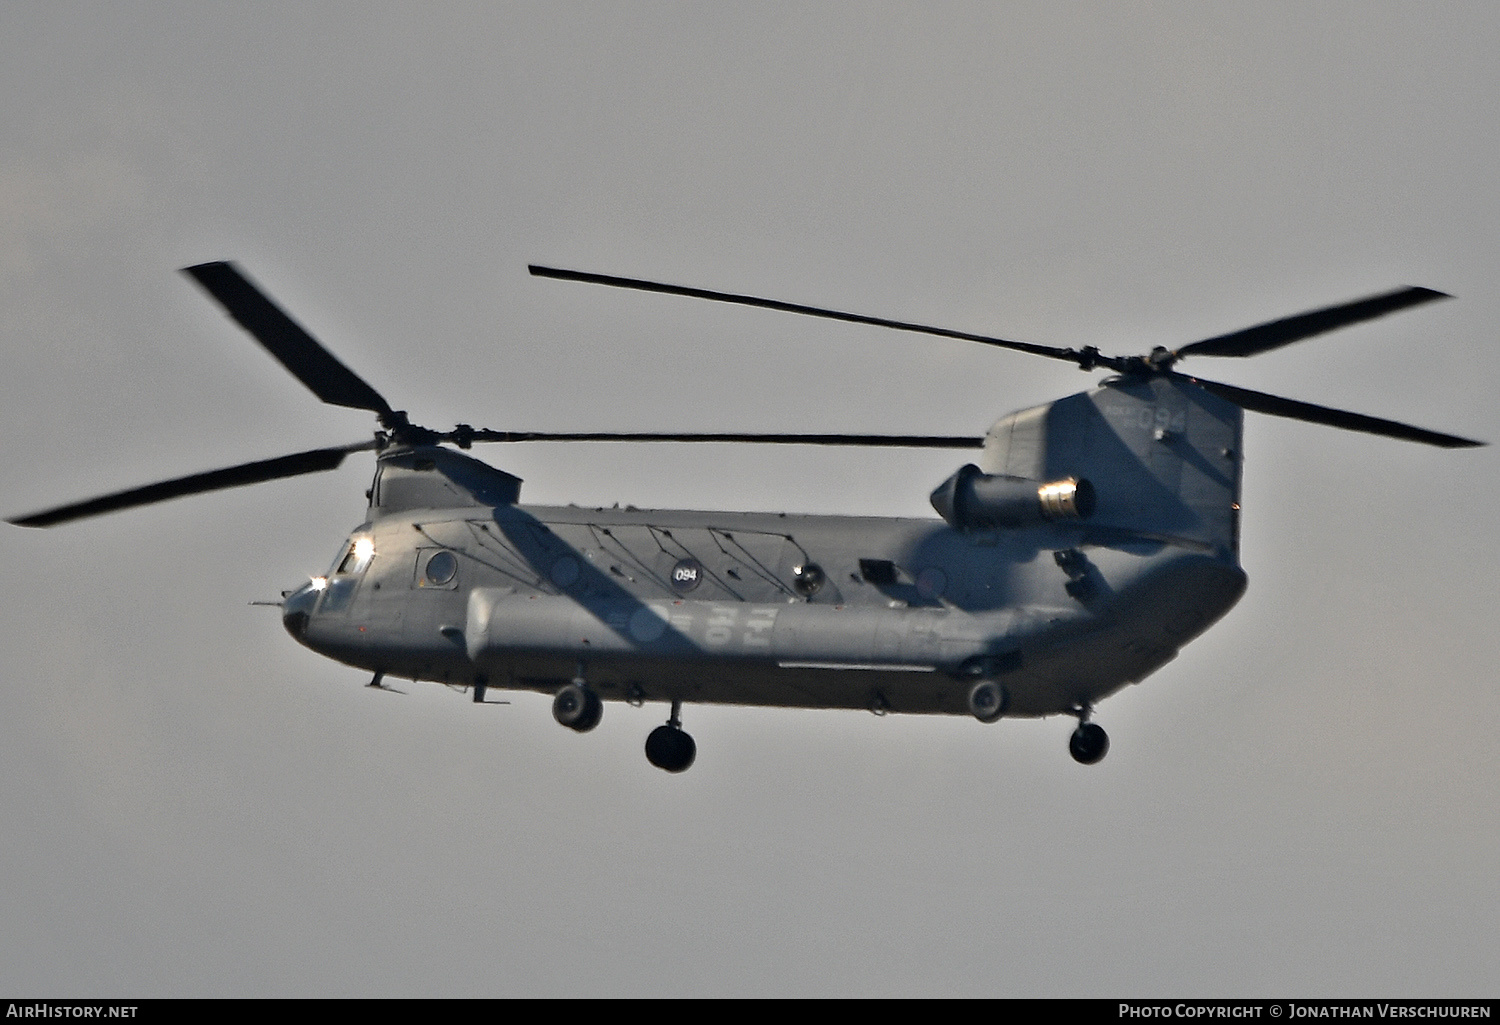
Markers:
<point>1091,538</point>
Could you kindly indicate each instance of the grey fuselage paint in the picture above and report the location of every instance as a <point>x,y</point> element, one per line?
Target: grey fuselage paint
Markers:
<point>459,584</point>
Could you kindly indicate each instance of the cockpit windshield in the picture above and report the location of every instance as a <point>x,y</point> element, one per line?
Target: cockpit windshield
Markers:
<point>356,557</point>
<point>351,562</point>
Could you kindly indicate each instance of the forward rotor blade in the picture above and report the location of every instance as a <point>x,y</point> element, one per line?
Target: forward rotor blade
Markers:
<point>1275,405</point>
<point>1071,355</point>
<point>285,339</point>
<point>198,483</point>
<point>873,440</point>
<point>1276,333</point>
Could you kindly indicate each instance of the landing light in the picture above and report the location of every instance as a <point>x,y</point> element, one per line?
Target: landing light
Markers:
<point>319,583</point>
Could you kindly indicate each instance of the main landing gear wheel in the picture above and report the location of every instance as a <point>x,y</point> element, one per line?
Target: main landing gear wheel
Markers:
<point>1089,743</point>
<point>577,708</point>
<point>988,700</point>
<point>670,747</point>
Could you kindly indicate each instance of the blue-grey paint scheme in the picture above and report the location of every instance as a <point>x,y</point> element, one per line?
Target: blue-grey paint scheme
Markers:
<point>1063,613</point>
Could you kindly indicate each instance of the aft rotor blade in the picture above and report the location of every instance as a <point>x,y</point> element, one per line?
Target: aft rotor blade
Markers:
<point>198,483</point>
<point>1071,355</point>
<point>285,339</point>
<point>873,440</point>
<point>1276,333</point>
<point>1275,405</point>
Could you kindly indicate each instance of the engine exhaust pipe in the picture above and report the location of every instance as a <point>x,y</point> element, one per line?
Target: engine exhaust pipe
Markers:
<point>974,500</point>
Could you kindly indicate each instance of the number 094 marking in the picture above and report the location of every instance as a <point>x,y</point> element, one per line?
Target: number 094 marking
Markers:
<point>686,575</point>
<point>1148,417</point>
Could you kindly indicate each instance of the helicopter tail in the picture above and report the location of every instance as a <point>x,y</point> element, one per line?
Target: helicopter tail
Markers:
<point>1161,453</point>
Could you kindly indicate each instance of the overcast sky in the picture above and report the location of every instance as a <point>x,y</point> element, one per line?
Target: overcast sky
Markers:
<point>1302,804</point>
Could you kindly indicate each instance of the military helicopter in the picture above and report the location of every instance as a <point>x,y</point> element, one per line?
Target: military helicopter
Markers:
<point>1093,538</point>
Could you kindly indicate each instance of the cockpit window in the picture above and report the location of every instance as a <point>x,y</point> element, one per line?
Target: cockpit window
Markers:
<point>356,558</point>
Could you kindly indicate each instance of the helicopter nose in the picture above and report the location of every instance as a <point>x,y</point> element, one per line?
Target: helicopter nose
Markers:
<point>296,610</point>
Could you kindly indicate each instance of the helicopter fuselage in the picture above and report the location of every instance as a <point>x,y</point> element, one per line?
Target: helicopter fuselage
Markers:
<point>452,580</point>
<point>894,615</point>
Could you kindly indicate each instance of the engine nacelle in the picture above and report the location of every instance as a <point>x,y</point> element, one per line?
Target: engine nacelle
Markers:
<point>972,499</point>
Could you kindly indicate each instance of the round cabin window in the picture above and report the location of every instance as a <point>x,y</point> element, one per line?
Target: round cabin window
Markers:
<point>808,579</point>
<point>441,568</point>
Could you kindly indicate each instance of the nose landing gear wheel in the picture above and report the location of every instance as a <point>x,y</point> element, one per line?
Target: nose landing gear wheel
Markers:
<point>577,708</point>
<point>988,700</point>
<point>1088,744</point>
<point>670,747</point>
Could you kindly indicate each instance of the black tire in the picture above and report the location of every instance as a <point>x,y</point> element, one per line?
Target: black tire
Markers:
<point>988,700</point>
<point>1088,744</point>
<point>577,708</point>
<point>593,715</point>
<point>671,749</point>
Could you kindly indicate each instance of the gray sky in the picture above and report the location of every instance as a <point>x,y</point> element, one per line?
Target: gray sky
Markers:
<point>1302,804</point>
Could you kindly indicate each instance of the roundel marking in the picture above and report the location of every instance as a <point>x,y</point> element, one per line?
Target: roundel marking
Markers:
<point>565,571</point>
<point>686,575</point>
<point>646,624</point>
<point>931,583</point>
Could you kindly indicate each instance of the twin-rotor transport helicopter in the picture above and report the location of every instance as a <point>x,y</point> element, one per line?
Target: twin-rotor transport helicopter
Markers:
<point>1091,539</point>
